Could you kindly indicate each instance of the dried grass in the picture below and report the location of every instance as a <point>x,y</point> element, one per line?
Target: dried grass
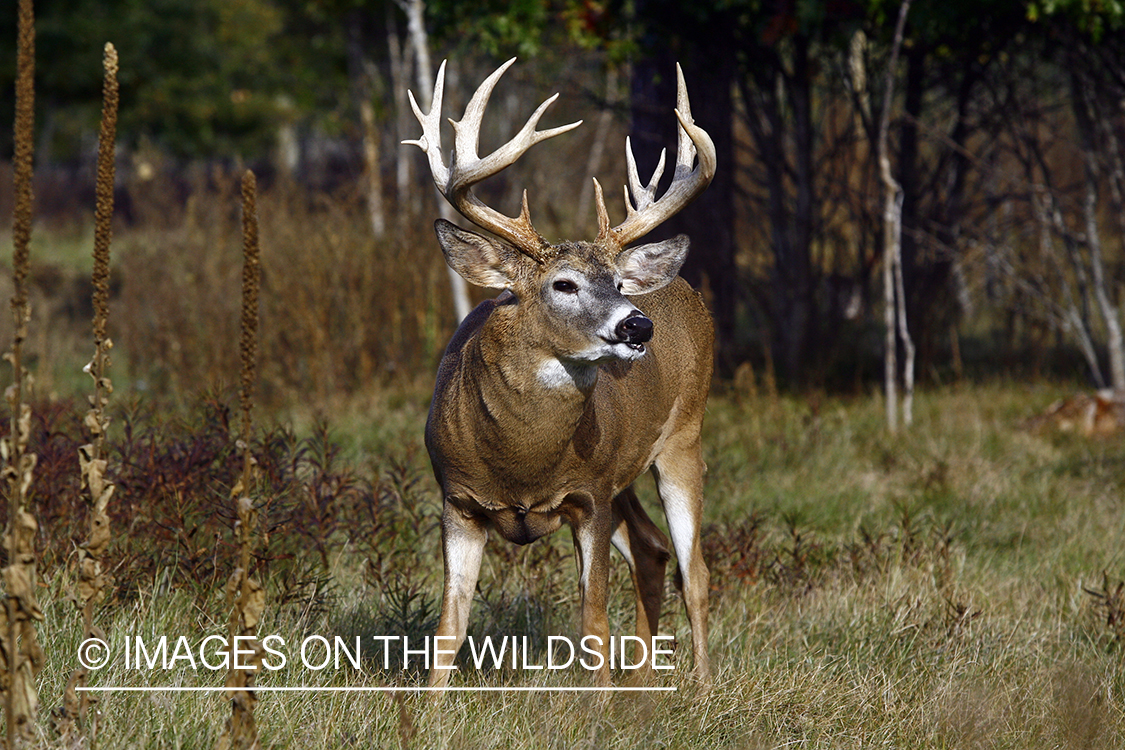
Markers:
<point>873,622</point>
<point>342,311</point>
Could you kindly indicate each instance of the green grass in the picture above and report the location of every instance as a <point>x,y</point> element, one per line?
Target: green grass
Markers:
<point>927,590</point>
<point>70,247</point>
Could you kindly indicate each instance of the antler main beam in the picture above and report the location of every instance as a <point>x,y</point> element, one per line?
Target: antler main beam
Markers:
<point>644,211</point>
<point>467,168</point>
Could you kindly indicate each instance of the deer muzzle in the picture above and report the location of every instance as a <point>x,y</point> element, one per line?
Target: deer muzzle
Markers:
<point>634,329</point>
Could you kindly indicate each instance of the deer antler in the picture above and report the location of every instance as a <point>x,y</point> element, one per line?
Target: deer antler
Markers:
<point>456,181</point>
<point>644,212</point>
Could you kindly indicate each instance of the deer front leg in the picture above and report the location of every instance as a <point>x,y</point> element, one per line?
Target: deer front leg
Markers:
<point>679,479</point>
<point>462,541</point>
<point>645,549</point>
<point>591,540</point>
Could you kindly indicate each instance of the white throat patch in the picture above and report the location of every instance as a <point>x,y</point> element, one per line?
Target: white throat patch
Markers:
<point>554,373</point>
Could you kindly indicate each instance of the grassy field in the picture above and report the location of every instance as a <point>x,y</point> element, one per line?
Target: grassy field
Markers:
<point>956,586</point>
<point>961,585</point>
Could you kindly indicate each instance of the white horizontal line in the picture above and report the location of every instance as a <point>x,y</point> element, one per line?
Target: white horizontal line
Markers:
<point>362,689</point>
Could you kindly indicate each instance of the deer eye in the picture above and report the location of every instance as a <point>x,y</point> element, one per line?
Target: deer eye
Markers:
<point>566,286</point>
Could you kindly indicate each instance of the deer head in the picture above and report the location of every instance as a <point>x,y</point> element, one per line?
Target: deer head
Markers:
<point>571,296</point>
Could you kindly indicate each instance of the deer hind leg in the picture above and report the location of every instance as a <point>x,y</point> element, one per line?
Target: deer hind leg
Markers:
<point>645,549</point>
<point>679,479</point>
<point>462,540</point>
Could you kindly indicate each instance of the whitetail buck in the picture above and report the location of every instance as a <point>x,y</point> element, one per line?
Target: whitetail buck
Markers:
<point>551,399</point>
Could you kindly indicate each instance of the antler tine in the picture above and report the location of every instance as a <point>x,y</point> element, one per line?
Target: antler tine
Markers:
<point>694,146</point>
<point>685,148</point>
<point>467,168</point>
<point>599,205</point>
<point>515,148</point>
<point>467,129</point>
<point>430,142</point>
<point>643,196</point>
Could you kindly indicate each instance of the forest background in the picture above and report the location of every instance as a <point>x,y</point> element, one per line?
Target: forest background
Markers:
<point>958,584</point>
<point>1005,137</point>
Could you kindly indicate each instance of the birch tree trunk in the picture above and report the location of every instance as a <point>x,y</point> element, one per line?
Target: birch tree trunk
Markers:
<point>1114,342</point>
<point>890,343</point>
<point>894,315</point>
<point>416,28</point>
<point>1085,113</point>
<point>1068,317</point>
<point>1116,174</point>
<point>903,330</point>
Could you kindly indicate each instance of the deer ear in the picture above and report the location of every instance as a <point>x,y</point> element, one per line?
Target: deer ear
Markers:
<point>646,268</point>
<point>479,259</point>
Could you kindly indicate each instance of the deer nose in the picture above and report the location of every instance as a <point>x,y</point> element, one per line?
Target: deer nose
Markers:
<point>634,329</point>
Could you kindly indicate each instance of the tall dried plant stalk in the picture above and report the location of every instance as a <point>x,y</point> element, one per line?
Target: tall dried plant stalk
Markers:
<point>21,657</point>
<point>245,595</point>
<point>251,276</point>
<point>75,717</point>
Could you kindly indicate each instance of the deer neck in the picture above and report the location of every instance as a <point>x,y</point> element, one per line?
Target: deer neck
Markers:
<point>534,405</point>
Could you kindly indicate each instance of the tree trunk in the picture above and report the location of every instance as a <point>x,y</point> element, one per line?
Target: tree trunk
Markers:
<point>416,28</point>
<point>708,221</point>
<point>1085,114</point>
<point>800,282</point>
<point>1072,318</point>
<point>405,196</point>
<point>360,75</point>
<point>893,287</point>
<point>890,345</point>
<point>789,207</point>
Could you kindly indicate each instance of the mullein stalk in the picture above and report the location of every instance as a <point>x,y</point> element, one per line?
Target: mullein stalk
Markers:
<point>79,713</point>
<point>245,595</point>
<point>20,653</point>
